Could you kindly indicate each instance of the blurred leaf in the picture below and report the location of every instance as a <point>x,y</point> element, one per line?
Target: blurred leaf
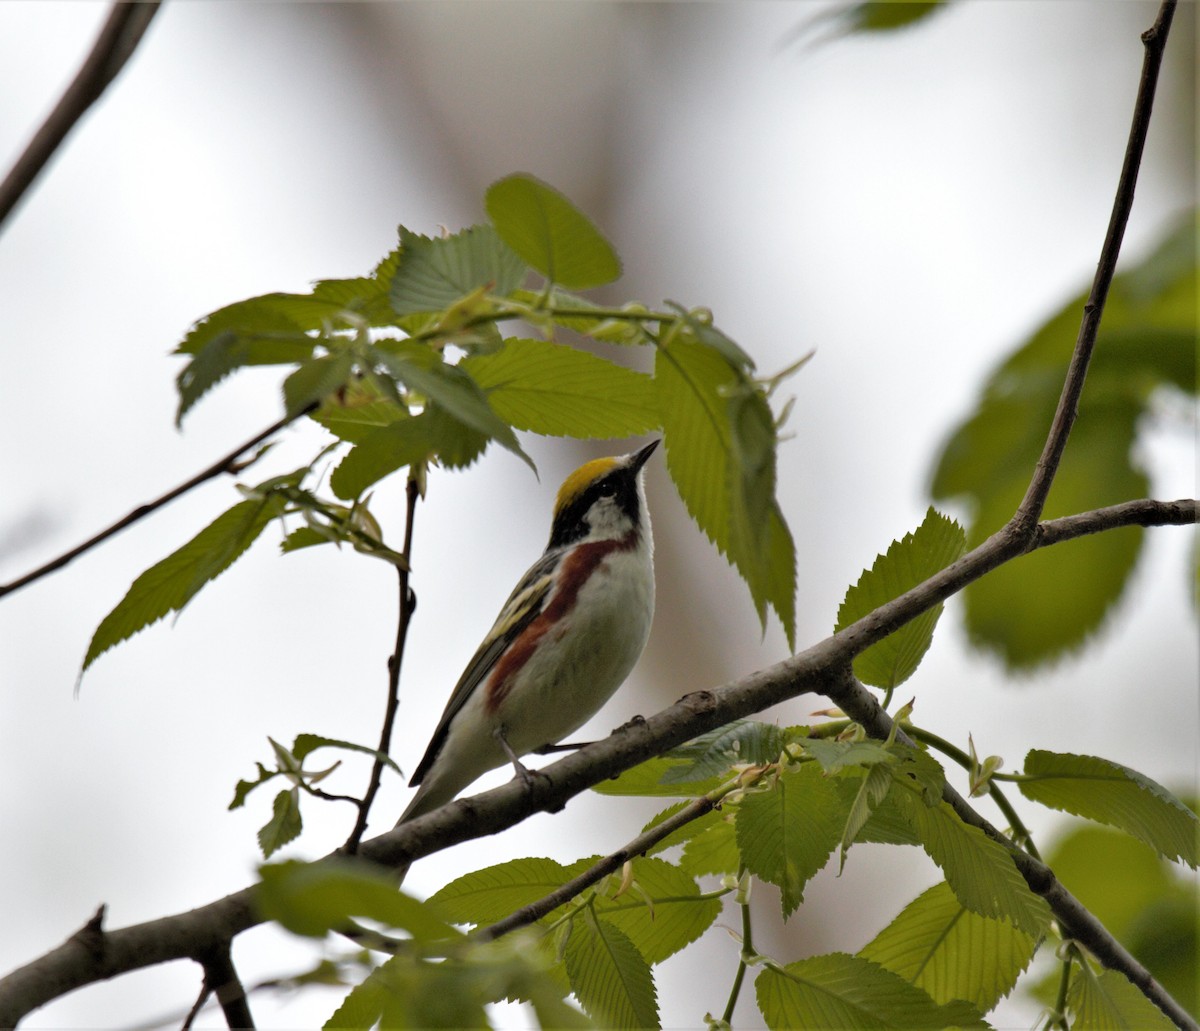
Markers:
<point>316,379</point>
<point>315,898</point>
<point>695,382</point>
<point>432,275</point>
<point>787,834</point>
<point>555,390</point>
<point>485,896</point>
<point>1142,899</point>
<point>933,546</point>
<point>1108,1002</point>
<point>609,977</point>
<point>550,233</point>
<point>285,824</point>
<point>837,755</point>
<point>1107,792</point>
<point>244,787</point>
<point>649,779</point>
<point>978,869</point>
<point>305,744</point>
<point>950,952</point>
<point>351,414</point>
<point>1041,606</point>
<point>170,584</point>
<point>840,991</point>
<point>580,315</point>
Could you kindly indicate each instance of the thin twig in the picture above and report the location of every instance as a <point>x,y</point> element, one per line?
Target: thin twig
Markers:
<point>614,861</point>
<point>228,464</point>
<point>1143,512</point>
<point>123,30</point>
<point>1155,41</point>
<point>408,605</point>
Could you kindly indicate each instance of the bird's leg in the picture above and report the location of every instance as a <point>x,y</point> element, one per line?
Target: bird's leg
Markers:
<point>523,771</point>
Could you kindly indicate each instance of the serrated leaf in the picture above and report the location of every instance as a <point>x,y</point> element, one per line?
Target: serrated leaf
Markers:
<point>714,850</point>
<point>662,912</point>
<point>556,390</point>
<point>648,779</point>
<point>850,993</point>
<point>315,898</point>
<point>934,545</point>
<point>315,380</point>
<point>1107,792</point>
<point>787,834</point>
<point>742,742</point>
<point>285,824</point>
<point>950,952</point>
<point>244,787</point>
<point>979,870</point>
<point>354,412</point>
<point>695,383</point>
<point>681,834</point>
<point>305,744</point>
<point>433,274</point>
<point>170,584</point>
<point>872,790</point>
<point>1109,1002</point>
<point>452,390</point>
<point>609,977</point>
<point>303,537</point>
<point>550,233</point>
<point>487,895</point>
<point>885,825</point>
<point>838,755</point>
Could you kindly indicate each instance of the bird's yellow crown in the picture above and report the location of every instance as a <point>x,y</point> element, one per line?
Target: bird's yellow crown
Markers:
<point>578,481</point>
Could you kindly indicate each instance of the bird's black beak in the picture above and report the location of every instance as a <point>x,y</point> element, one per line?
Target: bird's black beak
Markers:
<point>639,458</point>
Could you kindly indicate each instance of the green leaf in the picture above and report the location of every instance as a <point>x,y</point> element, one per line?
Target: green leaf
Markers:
<point>872,790</point>
<point>451,389</point>
<point>714,850</point>
<point>1109,1002</point>
<point>487,895</point>
<point>662,912</point>
<point>1107,792</point>
<point>580,315</point>
<point>649,779</point>
<point>170,584</point>
<point>696,384</point>
<point>609,977</point>
<point>316,379</point>
<point>1146,902</point>
<point>405,442</point>
<point>285,824</point>
<point>550,233</point>
<point>315,898</point>
<point>244,787</point>
<point>303,537</point>
<point>555,390</point>
<point>354,412</point>
<point>850,993</point>
<point>305,744</point>
<point>917,556</point>
<point>951,953</point>
<point>886,15</point>
<point>434,274</point>
<point>884,826</point>
<point>839,755</point>
<point>978,869</point>
<point>742,742</point>
<point>1046,604</point>
<point>786,834</point>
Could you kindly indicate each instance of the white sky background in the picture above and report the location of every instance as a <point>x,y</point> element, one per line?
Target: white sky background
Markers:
<point>912,206</point>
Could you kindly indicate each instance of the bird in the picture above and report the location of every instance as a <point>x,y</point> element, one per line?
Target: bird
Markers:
<point>566,639</point>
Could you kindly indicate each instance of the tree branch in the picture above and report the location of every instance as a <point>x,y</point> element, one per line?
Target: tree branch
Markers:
<point>1144,512</point>
<point>228,464</point>
<point>123,30</point>
<point>408,605</point>
<point>816,670</point>
<point>1155,41</point>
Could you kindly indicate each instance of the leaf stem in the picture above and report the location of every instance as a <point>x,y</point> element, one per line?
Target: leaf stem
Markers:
<point>746,950</point>
<point>951,751</point>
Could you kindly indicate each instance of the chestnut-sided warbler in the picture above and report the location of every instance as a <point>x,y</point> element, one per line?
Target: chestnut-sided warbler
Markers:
<point>565,640</point>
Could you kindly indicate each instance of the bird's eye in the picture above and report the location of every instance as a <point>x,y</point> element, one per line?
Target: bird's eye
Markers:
<point>608,490</point>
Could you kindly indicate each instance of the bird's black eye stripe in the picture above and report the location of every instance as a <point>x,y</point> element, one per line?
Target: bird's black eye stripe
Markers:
<point>571,523</point>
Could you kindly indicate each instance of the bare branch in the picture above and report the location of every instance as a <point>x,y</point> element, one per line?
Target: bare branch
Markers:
<point>1144,512</point>
<point>228,464</point>
<point>1155,41</point>
<point>126,24</point>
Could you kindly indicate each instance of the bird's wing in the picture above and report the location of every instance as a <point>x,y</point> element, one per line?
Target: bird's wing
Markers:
<point>521,609</point>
